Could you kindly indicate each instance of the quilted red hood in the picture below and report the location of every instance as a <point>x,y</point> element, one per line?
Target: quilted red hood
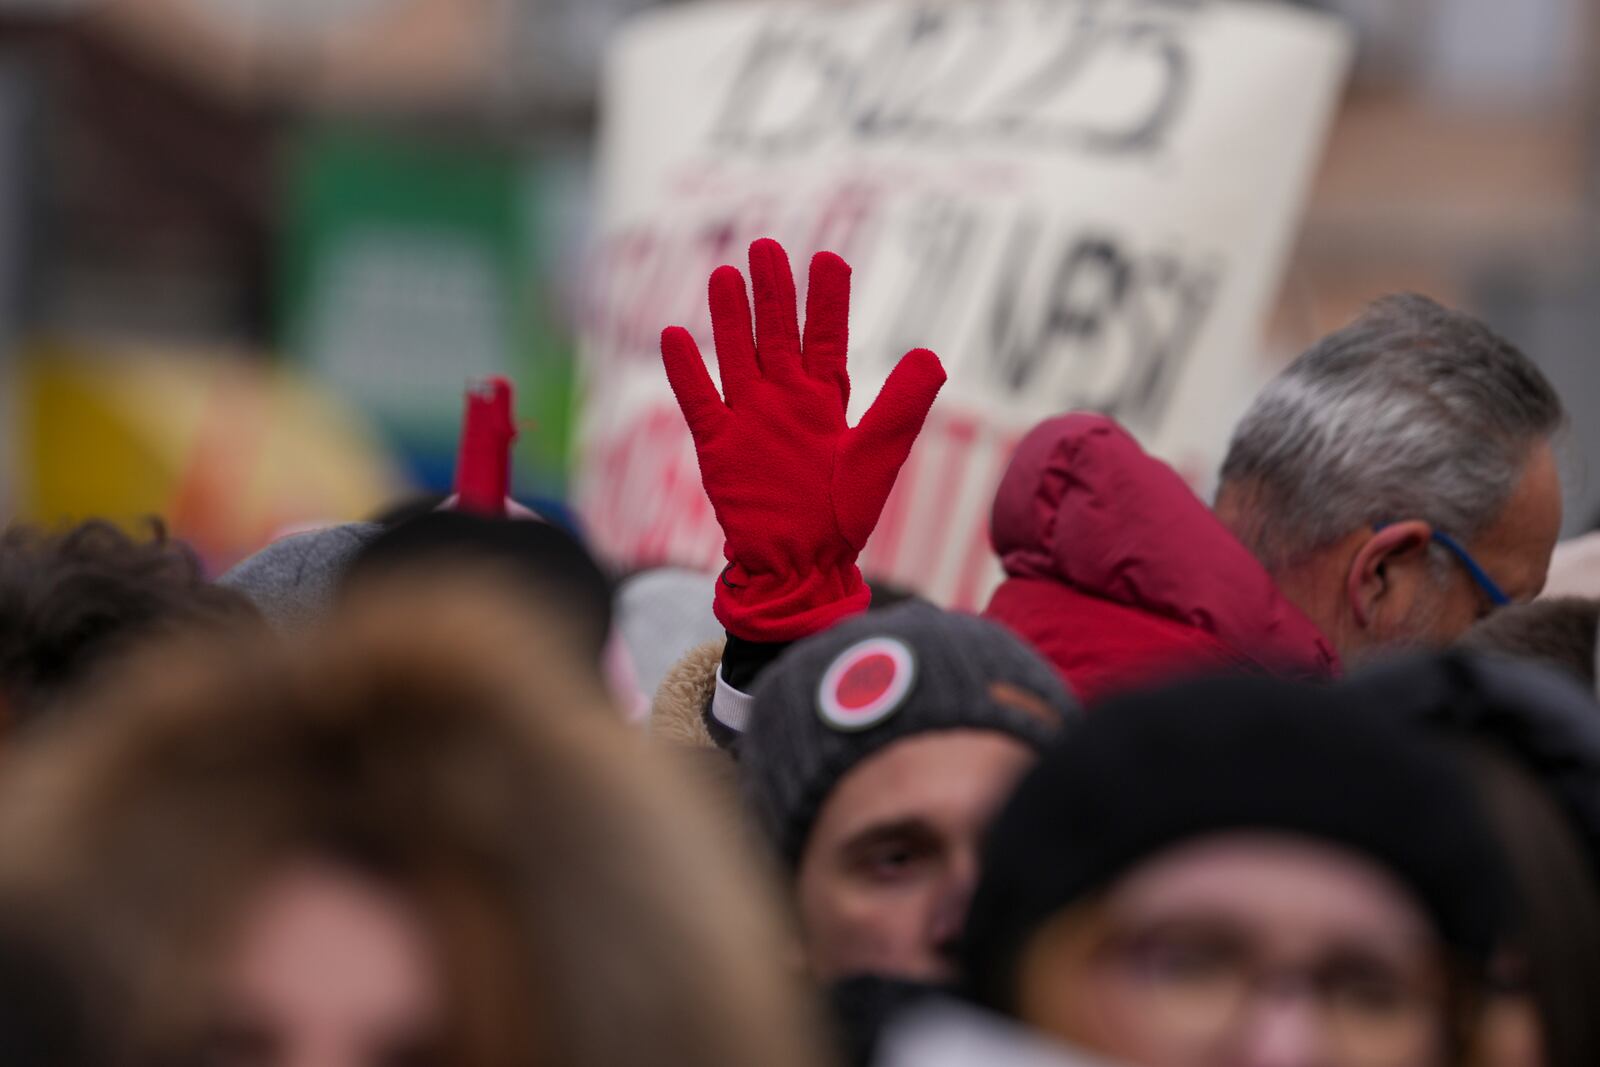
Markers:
<point>1084,505</point>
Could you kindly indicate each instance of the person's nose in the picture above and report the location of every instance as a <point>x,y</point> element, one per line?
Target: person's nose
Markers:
<point>949,915</point>
<point>1282,1028</point>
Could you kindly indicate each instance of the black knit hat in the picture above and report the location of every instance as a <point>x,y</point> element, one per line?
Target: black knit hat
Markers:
<point>1538,716</point>
<point>834,699</point>
<point>1149,772</point>
<point>552,562</point>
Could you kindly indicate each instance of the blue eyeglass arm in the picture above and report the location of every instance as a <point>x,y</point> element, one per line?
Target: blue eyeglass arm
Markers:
<point>1490,587</point>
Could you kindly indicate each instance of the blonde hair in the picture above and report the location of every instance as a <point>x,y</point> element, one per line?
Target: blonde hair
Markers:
<point>446,739</point>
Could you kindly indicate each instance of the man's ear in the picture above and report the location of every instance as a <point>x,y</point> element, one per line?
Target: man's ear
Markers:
<point>1386,572</point>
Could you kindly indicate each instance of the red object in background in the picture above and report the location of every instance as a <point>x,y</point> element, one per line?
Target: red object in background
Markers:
<point>483,463</point>
<point>1119,575</point>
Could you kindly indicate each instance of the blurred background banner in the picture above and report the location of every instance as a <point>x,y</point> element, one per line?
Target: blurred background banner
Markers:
<point>1075,205</point>
<point>412,267</point>
<point>360,203</point>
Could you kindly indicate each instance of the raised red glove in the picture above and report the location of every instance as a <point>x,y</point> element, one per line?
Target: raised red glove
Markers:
<point>796,489</point>
<point>483,461</point>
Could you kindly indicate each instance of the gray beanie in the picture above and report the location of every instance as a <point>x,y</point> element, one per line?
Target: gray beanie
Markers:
<point>293,580</point>
<point>834,699</point>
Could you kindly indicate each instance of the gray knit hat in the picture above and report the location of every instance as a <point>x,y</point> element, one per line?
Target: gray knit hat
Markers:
<point>834,699</point>
<point>292,581</point>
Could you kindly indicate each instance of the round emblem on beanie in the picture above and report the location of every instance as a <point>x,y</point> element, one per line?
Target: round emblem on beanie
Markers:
<point>866,683</point>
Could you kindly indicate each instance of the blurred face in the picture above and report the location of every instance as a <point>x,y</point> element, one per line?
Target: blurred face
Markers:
<point>327,969</point>
<point>1515,552</point>
<point>889,869</point>
<point>1243,951</point>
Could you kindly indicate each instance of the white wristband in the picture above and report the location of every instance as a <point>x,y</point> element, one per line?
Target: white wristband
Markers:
<point>729,706</point>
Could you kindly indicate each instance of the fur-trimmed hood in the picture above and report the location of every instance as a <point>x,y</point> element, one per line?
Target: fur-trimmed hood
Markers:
<point>677,714</point>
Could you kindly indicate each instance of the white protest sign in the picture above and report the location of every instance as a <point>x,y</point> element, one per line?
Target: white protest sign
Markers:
<point>1076,203</point>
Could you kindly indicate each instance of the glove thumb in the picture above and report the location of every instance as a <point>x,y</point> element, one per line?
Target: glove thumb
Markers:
<point>874,451</point>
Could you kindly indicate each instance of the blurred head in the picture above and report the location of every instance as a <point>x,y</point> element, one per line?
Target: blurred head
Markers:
<point>1539,1012</point>
<point>417,838</point>
<point>1241,874</point>
<point>887,873</point>
<point>1390,462</point>
<point>876,755</point>
<point>545,563</point>
<point>1560,633</point>
<point>1531,742</point>
<point>72,600</point>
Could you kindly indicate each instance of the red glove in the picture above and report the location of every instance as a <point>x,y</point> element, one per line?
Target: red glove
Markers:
<point>483,463</point>
<point>797,491</point>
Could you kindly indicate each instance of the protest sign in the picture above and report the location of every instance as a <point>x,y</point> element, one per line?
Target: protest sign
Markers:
<point>1077,204</point>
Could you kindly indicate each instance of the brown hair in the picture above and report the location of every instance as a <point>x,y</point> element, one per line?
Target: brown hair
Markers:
<point>72,599</point>
<point>1560,632</point>
<point>1559,938</point>
<point>441,741</point>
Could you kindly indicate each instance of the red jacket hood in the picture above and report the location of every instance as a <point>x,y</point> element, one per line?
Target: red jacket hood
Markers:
<point>1083,504</point>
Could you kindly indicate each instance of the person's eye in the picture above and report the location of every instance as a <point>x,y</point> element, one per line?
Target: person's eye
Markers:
<point>1185,961</point>
<point>893,860</point>
<point>1374,998</point>
<point>1369,992</point>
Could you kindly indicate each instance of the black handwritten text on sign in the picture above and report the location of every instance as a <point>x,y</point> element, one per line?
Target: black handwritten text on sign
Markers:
<point>966,74</point>
<point>1068,315</point>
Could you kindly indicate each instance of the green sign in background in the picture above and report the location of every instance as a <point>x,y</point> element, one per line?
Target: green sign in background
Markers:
<point>414,265</point>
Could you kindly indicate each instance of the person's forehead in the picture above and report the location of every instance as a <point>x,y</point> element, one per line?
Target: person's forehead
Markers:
<point>1516,549</point>
<point>1285,889</point>
<point>944,779</point>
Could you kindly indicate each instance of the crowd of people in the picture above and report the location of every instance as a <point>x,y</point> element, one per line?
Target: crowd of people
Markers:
<point>1309,777</point>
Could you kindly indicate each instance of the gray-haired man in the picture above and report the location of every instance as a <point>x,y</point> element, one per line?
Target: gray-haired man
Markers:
<point>1398,480</point>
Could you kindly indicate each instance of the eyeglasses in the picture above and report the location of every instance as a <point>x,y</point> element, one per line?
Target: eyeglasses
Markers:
<point>1474,569</point>
<point>1490,587</point>
<point>1193,987</point>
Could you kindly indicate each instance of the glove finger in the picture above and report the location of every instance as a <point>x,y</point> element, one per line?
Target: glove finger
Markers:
<point>730,330</point>
<point>874,451</point>
<point>827,337</point>
<point>691,383</point>
<point>777,309</point>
